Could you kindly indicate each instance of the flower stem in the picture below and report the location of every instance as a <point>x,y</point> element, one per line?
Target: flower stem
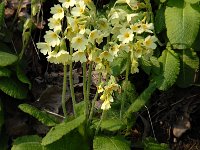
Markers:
<point>72,84</point>
<point>94,101</point>
<point>64,90</point>
<point>89,83</point>
<point>85,89</point>
<point>126,80</point>
<point>98,126</point>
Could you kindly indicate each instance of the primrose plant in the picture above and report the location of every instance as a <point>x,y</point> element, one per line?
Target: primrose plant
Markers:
<point>79,32</point>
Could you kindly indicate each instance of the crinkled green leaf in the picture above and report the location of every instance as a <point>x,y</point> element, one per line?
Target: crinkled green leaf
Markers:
<point>142,99</point>
<point>192,1</point>
<point>13,88</point>
<point>22,76</point>
<point>62,129</point>
<point>71,141</point>
<point>4,72</point>
<point>110,143</point>
<point>170,66</point>
<point>189,66</point>
<point>39,115</point>
<point>160,19</point>
<point>152,144</point>
<point>112,124</point>
<point>7,59</point>
<point>80,108</point>
<point>182,22</point>
<point>30,142</point>
<point>118,66</point>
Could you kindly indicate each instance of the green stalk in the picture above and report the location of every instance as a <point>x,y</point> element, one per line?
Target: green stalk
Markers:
<point>98,126</point>
<point>94,101</point>
<point>64,90</point>
<point>126,80</point>
<point>72,83</point>
<point>85,89</point>
<point>89,83</point>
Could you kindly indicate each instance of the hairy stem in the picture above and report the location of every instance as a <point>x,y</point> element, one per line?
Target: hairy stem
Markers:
<point>89,83</point>
<point>94,101</point>
<point>99,124</point>
<point>72,83</point>
<point>126,80</point>
<point>85,89</point>
<point>64,90</point>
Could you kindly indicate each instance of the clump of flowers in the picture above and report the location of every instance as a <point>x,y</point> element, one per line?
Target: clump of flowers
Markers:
<point>97,38</point>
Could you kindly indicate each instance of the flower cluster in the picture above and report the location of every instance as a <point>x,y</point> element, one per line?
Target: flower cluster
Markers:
<point>98,37</point>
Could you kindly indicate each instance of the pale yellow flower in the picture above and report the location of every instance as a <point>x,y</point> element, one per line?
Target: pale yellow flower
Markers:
<point>149,42</point>
<point>93,35</point>
<point>52,38</point>
<point>63,57</point>
<point>126,35</point>
<point>107,56</point>
<point>57,11</point>
<point>73,22</point>
<point>114,49</point>
<point>79,42</point>
<point>52,57</point>
<point>100,67</point>
<point>79,9</point>
<point>79,56</point>
<point>147,27</point>
<point>104,26</point>
<point>45,48</point>
<point>136,28</point>
<point>67,3</point>
<point>69,33</point>
<point>54,24</point>
<point>106,105</point>
<point>134,66</point>
<point>130,16</point>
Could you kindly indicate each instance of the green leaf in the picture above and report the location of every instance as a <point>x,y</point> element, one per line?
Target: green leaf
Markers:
<point>71,141</point>
<point>189,66</point>
<point>28,138</point>
<point>110,143</point>
<point>80,108</point>
<point>39,115</point>
<point>13,88</point>
<point>192,1</point>
<point>160,19</point>
<point>28,146</point>
<point>142,99</point>
<point>170,66</point>
<point>31,142</point>
<point>118,66</point>
<point>182,24</point>
<point>62,129</point>
<point>2,9</point>
<point>113,124</point>
<point>4,72</point>
<point>7,59</point>
<point>22,76</point>
<point>151,144</point>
